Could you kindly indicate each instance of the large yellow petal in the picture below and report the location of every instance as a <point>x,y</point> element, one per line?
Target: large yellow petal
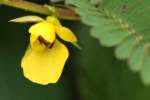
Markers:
<point>45,67</point>
<point>44,29</point>
<point>66,34</point>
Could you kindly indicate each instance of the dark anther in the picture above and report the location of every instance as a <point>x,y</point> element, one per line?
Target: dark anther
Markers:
<point>46,43</point>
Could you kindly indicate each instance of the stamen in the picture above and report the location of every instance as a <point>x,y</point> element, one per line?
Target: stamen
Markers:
<point>46,43</point>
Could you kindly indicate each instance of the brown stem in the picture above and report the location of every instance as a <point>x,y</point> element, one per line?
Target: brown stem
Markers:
<point>29,6</point>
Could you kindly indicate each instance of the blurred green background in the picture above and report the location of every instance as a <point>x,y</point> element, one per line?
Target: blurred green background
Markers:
<point>92,73</point>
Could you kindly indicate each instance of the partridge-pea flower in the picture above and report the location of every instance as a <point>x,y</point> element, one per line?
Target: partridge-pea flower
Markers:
<point>45,57</point>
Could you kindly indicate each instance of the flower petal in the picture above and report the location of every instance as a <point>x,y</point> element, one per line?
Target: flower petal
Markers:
<point>46,66</point>
<point>53,20</point>
<point>35,43</point>
<point>66,34</point>
<point>27,19</point>
<point>44,29</point>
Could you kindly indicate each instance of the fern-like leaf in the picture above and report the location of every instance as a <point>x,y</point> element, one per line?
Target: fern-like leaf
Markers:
<point>121,23</point>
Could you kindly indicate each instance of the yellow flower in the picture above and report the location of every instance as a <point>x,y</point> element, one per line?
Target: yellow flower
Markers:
<point>45,57</point>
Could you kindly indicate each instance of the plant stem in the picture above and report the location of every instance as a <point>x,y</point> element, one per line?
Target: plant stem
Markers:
<point>33,7</point>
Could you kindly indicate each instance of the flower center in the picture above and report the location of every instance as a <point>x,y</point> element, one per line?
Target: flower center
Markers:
<point>46,43</point>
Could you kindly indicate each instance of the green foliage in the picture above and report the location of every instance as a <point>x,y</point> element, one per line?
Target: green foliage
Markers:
<point>121,23</point>
<point>99,75</point>
<point>95,1</point>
